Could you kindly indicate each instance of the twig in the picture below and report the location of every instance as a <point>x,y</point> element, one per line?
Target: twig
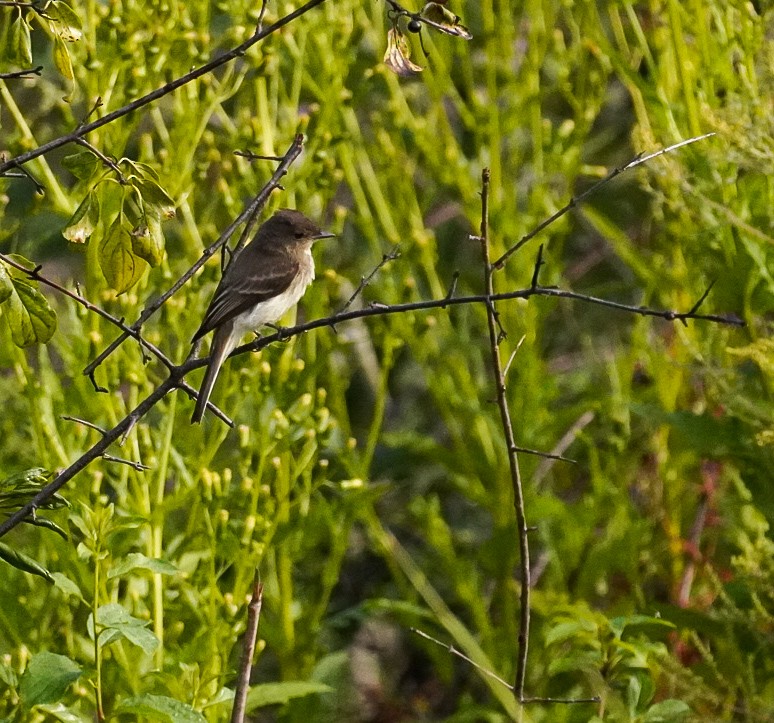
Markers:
<point>546,455</point>
<point>365,280</point>
<point>264,5</point>
<point>134,465</point>
<point>78,420</point>
<point>513,356</point>
<point>575,200</point>
<point>513,460</point>
<point>452,287</point>
<point>227,57</point>
<point>399,11</point>
<point>257,203</point>
<point>110,163</point>
<point>561,446</point>
<point>248,650</point>
<point>21,73</point>
<point>462,655</point>
<point>485,671</point>
<point>250,156</point>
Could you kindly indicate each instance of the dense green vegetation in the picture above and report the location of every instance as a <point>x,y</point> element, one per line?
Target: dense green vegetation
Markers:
<point>367,478</point>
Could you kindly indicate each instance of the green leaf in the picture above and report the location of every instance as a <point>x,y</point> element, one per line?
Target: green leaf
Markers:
<point>21,487</point>
<point>47,678</point>
<point>82,164</point>
<point>62,713</point>
<point>114,622</point>
<point>279,693</point>
<point>65,23</point>
<point>6,285</point>
<point>639,623</point>
<point>47,524</point>
<point>160,708</point>
<point>85,219</point>
<point>120,265</point>
<point>136,560</point>
<point>66,585</point>
<point>449,22</point>
<point>23,562</point>
<point>30,317</point>
<point>566,630</point>
<point>62,60</point>
<point>667,711</point>
<point>19,42</point>
<point>579,660</point>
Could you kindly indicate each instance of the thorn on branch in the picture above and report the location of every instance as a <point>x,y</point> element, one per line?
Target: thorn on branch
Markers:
<point>452,287</point>
<point>536,273</point>
<point>138,466</point>
<point>701,300</point>
<point>90,425</point>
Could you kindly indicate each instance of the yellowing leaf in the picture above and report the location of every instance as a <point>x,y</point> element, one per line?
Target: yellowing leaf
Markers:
<point>121,266</point>
<point>62,58</point>
<point>445,20</point>
<point>148,239</point>
<point>153,194</point>
<point>396,57</point>
<point>64,20</point>
<point>85,219</point>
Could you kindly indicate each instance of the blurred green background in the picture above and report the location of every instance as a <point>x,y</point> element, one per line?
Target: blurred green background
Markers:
<point>367,479</point>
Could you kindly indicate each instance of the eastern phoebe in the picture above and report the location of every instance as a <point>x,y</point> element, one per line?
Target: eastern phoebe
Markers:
<point>265,279</point>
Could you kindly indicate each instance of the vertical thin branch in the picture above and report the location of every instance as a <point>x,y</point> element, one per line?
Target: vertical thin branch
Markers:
<point>513,460</point>
<point>248,649</point>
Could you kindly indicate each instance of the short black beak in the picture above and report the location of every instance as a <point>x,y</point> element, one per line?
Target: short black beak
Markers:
<point>324,234</point>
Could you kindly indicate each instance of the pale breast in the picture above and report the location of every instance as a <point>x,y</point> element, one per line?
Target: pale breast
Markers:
<point>271,310</point>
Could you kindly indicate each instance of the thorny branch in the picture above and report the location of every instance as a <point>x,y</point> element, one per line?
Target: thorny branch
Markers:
<point>513,459</point>
<point>175,380</point>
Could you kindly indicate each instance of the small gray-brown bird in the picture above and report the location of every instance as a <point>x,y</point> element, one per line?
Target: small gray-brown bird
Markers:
<point>265,279</point>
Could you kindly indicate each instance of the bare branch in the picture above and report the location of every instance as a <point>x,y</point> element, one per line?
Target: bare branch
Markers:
<point>248,650</point>
<point>365,280</point>
<point>513,459</point>
<point>134,465</point>
<point>177,373</point>
<point>575,200</point>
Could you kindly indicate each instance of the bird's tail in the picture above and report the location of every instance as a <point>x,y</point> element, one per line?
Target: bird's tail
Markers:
<point>223,344</point>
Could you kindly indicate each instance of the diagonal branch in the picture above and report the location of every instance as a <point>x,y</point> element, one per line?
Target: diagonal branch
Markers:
<point>227,57</point>
<point>575,200</point>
